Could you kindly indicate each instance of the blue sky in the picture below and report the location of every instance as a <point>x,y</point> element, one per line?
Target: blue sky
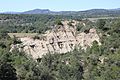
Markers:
<point>57,5</point>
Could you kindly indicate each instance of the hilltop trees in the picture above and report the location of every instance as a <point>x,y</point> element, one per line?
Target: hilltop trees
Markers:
<point>101,23</point>
<point>58,22</point>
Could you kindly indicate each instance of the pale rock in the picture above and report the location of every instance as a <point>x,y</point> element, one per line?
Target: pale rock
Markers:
<point>62,40</point>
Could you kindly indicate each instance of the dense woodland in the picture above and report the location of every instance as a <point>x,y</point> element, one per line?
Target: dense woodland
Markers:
<point>23,23</point>
<point>96,63</point>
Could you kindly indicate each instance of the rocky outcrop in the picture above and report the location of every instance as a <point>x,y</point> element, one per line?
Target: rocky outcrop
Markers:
<point>60,40</point>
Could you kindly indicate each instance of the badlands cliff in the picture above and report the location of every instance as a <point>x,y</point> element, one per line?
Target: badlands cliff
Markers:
<point>60,39</point>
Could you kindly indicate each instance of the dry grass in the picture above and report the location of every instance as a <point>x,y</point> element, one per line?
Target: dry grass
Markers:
<point>94,19</point>
<point>20,35</point>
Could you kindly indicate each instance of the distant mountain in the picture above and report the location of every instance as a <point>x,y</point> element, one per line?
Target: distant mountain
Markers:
<point>100,12</point>
<point>37,11</point>
<point>47,11</point>
<point>91,12</point>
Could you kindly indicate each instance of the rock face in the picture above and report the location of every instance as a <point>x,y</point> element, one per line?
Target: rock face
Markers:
<point>60,40</point>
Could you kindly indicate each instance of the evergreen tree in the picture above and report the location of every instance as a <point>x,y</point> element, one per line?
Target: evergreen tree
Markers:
<point>7,71</point>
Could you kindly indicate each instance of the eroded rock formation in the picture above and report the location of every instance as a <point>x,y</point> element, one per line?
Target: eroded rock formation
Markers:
<point>60,40</point>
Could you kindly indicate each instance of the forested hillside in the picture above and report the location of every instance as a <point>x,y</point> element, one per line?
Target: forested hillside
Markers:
<point>15,23</point>
<point>98,62</point>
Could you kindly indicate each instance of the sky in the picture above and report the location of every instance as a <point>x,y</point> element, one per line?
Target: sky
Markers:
<point>57,5</point>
